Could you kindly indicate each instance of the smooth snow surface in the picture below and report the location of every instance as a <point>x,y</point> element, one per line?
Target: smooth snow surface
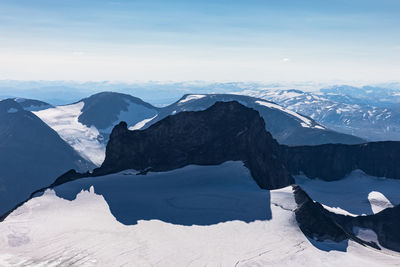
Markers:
<point>191,195</point>
<point>85,140</point>
<point>359,193</point>
<point>51,231</point>
<point>90,142</point>
<point>378,201</point>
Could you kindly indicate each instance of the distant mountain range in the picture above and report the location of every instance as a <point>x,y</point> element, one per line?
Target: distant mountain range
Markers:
<point>368,112</point>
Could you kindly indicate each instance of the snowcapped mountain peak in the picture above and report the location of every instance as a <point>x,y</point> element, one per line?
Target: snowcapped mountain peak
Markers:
<point>86,124</point>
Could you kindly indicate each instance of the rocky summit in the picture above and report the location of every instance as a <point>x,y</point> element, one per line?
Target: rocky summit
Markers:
<point>225,131</point>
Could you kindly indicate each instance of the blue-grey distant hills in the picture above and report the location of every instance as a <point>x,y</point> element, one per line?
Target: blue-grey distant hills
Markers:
<point>372,113</point>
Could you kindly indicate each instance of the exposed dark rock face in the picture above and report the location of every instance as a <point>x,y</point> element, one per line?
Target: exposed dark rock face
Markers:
<point>284,127</point>
<point>314,221</point>
<point>320,224</point>
<point>334,161</point>
<point>385,224</point>
<point>225,131</point>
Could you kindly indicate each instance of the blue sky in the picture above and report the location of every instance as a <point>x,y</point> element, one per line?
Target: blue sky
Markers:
<point>220,40</point>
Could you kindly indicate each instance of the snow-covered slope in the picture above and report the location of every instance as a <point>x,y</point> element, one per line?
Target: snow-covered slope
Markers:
<point>85,140</point>
<point>370,113</point>
<point>87,124</point>
<point>51,231</point>
<point>31,155</point>
<point>356,194</point>
<point>286,126</point>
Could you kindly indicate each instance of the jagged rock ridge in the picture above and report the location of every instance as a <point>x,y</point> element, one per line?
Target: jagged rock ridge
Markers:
<point>225,131</point>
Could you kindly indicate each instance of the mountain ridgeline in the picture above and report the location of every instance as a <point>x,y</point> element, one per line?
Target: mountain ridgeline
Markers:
<point>226,131</point>
<point>231,131</point>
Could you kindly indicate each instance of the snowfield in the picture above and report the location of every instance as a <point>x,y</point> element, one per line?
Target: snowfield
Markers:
<point>85,140</point>
<point>90,142</point>
<point>52,231</point>
<point>359,193</point>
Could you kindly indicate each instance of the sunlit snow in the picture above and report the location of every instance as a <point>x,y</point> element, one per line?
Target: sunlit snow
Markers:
<point>191,97</point>
<point>85,140</point>
<point>305,122</point>
<point>358,193</point>
<point>51,231</point>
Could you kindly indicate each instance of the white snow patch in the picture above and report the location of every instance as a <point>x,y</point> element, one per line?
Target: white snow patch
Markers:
<point>190,98</point>
<point>378,201</point>
<point>338,210</point>
<point>140,124</point>
<point>85,140</point>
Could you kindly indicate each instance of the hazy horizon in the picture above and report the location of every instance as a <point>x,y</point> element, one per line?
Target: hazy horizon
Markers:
<point>221,40</point>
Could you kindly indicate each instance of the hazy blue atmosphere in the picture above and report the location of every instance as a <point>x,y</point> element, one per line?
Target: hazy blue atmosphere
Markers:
<point>200,40</point>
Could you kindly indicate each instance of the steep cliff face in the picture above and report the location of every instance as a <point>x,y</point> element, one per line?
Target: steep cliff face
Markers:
<point>334,161</point>
<point>318,223</point>
<point>314,221</point>
<point>225,131</point>
<point>385,224</point>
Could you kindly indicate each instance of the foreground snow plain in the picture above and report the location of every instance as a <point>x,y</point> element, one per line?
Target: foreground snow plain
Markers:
<point>53,231</point>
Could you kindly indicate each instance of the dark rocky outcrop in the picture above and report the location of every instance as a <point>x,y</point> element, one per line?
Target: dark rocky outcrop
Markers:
<point>225,131</point>
<point>284,126</point>
<point>320,224</point>
<point>334,161</point>
<point>385,224</point>
<point>314,221</point>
